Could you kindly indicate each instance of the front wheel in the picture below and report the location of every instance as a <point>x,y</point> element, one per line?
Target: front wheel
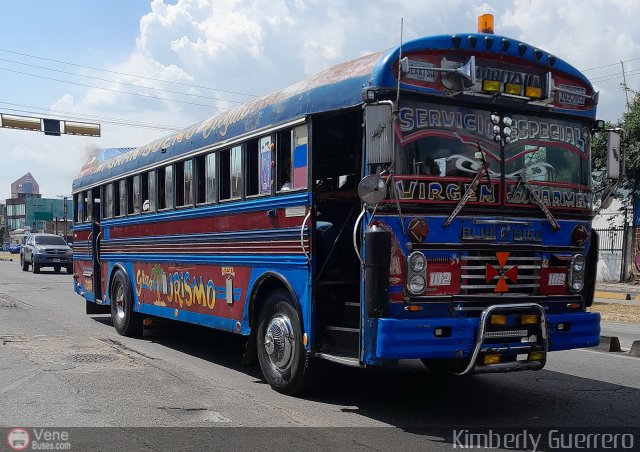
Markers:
<point>56,268</point>
<point>24,264</point>
<point>35,268</point>
<point>279,343</point>
<point>125,320</point>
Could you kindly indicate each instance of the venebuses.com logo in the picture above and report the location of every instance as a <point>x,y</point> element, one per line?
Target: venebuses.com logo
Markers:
<point>18,439</point>
<point>38,439</point>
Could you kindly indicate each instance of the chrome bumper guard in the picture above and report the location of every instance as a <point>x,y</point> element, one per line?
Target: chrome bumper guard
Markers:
<point>540,345</point>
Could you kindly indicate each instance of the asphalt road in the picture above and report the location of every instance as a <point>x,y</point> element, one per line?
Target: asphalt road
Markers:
<point>59,367</point>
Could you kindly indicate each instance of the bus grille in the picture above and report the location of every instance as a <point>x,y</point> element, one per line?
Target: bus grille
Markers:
<point>482,272</point>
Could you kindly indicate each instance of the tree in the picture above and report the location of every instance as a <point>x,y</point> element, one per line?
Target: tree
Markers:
<point>630,123</point>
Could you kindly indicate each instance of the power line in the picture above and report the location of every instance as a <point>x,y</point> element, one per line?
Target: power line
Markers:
<point>120,82</point>
<point>41,110</point>
<point>609,65</point>
<point>112,90</point>
<point>124,73</point>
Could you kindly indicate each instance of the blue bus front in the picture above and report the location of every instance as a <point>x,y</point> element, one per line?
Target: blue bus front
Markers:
<point>487,210</point>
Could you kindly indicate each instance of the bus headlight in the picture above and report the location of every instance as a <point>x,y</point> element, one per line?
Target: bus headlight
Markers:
<point>577,282</point>
<point>577,264</point>
<point>417,284</point>
<point>576,273</point>
<point>417,262</point>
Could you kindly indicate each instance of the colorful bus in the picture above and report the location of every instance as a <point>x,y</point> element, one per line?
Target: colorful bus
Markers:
<point>431,202</point>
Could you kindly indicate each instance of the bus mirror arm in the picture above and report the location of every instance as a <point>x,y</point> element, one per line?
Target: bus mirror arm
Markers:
<point>304,249</point>
<point>98,248</point>
<point>355,234</point>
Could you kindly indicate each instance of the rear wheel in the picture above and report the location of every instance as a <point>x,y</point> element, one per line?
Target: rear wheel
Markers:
<point>24,264</point>
<point>125,320</point>
<point>279,344</point>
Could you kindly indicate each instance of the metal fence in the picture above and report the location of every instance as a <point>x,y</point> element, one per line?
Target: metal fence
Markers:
<point>611,239</point>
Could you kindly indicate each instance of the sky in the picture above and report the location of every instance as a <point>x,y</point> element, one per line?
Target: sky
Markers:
<point>143,68</point>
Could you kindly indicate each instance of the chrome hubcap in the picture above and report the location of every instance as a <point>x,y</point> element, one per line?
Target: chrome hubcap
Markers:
<point>119,301</point>
<point>279,341</point>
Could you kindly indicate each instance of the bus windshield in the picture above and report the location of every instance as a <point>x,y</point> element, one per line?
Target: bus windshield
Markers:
<point>445,141</point>
<point>548,150</point>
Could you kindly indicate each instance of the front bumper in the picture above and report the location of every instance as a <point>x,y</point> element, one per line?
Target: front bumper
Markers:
<point>46,260</point>
<point>415,338</point>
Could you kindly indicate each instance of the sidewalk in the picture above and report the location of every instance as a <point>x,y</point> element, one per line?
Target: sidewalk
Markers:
<point>618,291</point>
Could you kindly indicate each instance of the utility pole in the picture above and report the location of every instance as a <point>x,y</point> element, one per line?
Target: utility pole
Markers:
<point>64,198</point>
<point>624,85</point>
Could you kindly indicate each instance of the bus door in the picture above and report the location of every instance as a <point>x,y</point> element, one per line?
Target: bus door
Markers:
<point>93,208</point>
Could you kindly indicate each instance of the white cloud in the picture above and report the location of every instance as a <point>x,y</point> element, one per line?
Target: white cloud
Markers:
<point>257,46</point>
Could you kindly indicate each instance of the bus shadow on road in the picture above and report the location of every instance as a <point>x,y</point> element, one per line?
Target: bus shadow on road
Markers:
<point>407,395</point>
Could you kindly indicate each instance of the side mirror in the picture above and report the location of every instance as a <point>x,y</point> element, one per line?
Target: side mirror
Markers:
<point>379,132</point>
<point>614,137</point>
<point>372,189</point>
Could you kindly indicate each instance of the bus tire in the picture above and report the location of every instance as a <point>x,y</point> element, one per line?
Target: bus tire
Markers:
<point>124,319</point>
<point>445,366</point>
<point>281,353</point>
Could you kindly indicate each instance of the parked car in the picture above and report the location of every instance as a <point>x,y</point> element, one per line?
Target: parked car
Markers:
<point>46,250</point>
<point>14,248</point>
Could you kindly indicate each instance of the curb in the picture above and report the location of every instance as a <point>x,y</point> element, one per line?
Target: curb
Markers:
<point>614,295</point>
<point>610,344</point>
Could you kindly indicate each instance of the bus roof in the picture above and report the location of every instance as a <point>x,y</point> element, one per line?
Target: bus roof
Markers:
<point>336,88</point>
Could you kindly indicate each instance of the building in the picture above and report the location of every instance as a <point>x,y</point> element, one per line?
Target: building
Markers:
<point>27,210</point>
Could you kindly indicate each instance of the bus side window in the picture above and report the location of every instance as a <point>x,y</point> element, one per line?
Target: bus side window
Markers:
<point>107,207</point>
<point>299,157</point>
<point>136,195</point>
<point>206,178</point>
<point>284,160</point>
<point>151,191</point>
<point>130,195</point>
<point>184,183</point>
<point>231,173</point>
<point>79,208</point>
<point>165,187</point>
<point>88,206</point>
<point>122,197</point>
<point>258,168</point>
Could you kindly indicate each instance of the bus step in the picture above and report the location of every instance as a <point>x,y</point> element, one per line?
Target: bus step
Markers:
<point>352,361</point>
<point>339,340</point>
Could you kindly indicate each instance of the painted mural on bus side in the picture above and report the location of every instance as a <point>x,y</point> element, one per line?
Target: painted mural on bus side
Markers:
<point>212,290</point>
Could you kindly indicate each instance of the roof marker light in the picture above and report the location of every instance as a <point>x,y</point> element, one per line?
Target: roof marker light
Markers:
<point>552,60</point>
<point>488,42</point>
<point>473,41</point>
<point>538,54</point>
<point>522,49</point>
<point>505,45</point>
<point>456,41</point>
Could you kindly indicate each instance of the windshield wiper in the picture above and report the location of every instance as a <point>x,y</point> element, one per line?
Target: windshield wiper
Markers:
<point>482,172</point>
<point>522,179</point>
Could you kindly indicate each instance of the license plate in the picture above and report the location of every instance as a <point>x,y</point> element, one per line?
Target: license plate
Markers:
<point>56,260</point>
